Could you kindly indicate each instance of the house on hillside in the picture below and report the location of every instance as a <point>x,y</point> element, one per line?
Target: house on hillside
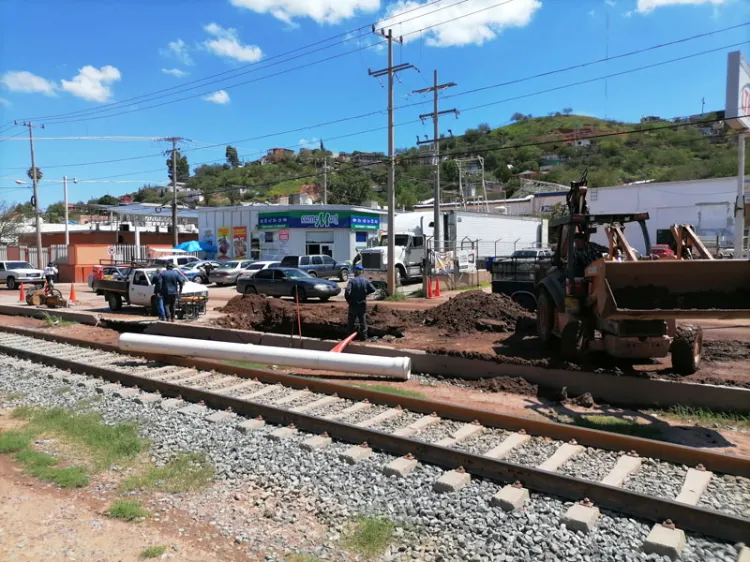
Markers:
<point>276,155</point>
<point>368,158</point>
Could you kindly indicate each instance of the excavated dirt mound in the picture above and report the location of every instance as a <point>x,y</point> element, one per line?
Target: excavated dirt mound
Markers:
<point>468,312</point>
<point>255,312</point>
<point>475,310</point>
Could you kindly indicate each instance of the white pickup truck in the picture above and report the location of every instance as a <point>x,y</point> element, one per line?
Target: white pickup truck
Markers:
<point>13,273</point>
<point>138,289</point>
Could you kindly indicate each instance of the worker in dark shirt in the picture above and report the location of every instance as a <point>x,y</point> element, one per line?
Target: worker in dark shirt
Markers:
<point>171,289</point>
<point>158,282</point>
<point>356,295</point>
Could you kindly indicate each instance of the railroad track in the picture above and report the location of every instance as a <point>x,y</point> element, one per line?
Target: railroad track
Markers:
<point>627,477</point>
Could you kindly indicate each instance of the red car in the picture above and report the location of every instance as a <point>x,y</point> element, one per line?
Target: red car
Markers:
<point>662,251</point>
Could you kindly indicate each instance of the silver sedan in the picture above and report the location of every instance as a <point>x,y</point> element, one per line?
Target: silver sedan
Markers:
<point>227,273</point>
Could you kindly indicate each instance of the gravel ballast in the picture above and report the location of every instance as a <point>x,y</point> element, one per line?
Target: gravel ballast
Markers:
<point>431,527</point>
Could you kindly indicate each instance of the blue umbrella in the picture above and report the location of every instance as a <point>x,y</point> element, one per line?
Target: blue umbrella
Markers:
<point>191,246</point>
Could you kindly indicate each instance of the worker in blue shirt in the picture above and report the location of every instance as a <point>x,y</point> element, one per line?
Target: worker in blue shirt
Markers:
<point>171,289</point>
<point>356,295</point>
<point>158,282</point>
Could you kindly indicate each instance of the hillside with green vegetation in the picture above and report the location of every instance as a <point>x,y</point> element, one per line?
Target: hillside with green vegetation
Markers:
<point>539,147</point>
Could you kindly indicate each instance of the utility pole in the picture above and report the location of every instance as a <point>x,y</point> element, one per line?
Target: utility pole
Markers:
<point>391,71</point>
<point>65,202</point>
<point>436,147</point>
<point>35,180</point>
<point>325,181</point>
<point>174,141</point>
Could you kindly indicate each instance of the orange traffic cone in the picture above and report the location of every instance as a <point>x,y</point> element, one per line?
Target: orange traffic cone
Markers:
<point>73,297</point>
<point>21,294</point>
<point>429,288</point>
<point>437,286</point>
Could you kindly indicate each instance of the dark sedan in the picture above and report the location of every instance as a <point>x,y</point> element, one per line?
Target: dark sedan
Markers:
<point>288,282</point>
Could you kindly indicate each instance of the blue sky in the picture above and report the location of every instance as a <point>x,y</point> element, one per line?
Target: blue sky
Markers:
<point>84,56</point>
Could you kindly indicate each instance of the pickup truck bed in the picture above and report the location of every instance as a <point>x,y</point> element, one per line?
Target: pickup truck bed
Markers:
<point>111,285</point>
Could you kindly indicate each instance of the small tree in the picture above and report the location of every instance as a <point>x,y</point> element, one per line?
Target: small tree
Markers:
<point>30,173</point>
<point>567,110</point>
<point>11,221</point>
<point>516,117</point>
<point>183,168</point>
<point>233,158</point>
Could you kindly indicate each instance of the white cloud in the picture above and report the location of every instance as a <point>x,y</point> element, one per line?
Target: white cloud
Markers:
<point>646,6</point>
<point>24,81</point>
<point>592,13</point>
<point>321,11</point>
<point>5,102</point>
<point>176,72</point>
<point>219,96</point>
<point>92,84</point>
<point>610,3</point>
<point>462,29</point>
<point>227,44</point>
<point>304,143</point>
<point>177,50</point>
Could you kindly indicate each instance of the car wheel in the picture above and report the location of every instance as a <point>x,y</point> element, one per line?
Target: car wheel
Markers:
<point>312,274</point>
<point>11,282</point>
<point>115,301</point>
<point>198,280</point>
<point>250,290</point>
<point>344,274</point>
<point>324,299</point>
<point>300,294</point>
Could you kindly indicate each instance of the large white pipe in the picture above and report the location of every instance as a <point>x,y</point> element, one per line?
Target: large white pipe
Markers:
<point>393,367</point>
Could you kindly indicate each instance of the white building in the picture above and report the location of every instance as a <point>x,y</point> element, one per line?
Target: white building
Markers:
<point>706,204</point>
<point>272,231</point>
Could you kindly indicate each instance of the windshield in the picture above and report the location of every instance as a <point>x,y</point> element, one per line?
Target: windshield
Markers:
<point>524,254</point>
<point>19,265</point>
<point>401,240</point>
<point>229,265</point>
<point>295,274</point>
<point>255,266</point>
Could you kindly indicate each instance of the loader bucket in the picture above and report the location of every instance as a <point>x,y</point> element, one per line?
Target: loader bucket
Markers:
<point>672,289</point>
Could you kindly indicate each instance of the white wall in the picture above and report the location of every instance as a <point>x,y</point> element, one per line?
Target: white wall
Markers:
<point>706,204</point>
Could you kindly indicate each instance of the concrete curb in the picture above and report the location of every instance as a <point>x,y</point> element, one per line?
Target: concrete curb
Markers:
<point>608,389</point>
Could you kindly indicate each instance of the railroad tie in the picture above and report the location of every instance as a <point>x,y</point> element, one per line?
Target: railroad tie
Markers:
<point>195,378</point>
<point>218,382</point>
<point>325,401</point>
<point>291,397</point>
<point>152,372</point>
<point>461,434</point>
<point>625,466</point>
<point>174,374</point>
<point>383,416</point>
<point>563,454</point>
<point>696,482</point>
<point>417,426</point>
<point>345,413</point>
<point>262,392</point>
<point>241,386</point>
<point>509,443</point>
<point>744,555</point>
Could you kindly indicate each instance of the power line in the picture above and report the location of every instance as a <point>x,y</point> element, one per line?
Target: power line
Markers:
<point>347,34</point>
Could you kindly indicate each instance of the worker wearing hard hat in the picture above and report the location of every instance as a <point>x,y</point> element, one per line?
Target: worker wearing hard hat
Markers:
<point>356,295</point>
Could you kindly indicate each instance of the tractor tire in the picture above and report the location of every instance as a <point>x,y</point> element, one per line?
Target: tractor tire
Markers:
<point>686,349</point>
<point>572,341</point>
<point>545,318</point>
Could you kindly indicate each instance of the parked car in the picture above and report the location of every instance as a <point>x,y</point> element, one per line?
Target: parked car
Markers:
<point>196,271</point>
<point>255,267</point>
<point>227,272</point>
<point>13,273</point>
<point>531,255</point>
<point>288,282</point>
<point>322,266</point>
<point>178,260</point>
<point>662,251</point>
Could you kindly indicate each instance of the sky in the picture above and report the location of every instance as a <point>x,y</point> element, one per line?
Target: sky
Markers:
<point>259,74</point>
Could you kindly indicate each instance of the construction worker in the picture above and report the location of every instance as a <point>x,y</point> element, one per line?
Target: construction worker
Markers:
<point>356,295</point>
<point>158,281</point>
<point>171,289</point>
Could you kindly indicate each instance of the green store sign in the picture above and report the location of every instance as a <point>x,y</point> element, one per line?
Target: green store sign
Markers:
<point>318,219</point>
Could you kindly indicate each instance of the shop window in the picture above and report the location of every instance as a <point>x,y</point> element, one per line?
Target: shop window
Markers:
<point>361,237</point>
<point>269,237</point>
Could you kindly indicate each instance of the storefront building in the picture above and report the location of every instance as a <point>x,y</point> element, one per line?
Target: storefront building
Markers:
<point>272,231</point>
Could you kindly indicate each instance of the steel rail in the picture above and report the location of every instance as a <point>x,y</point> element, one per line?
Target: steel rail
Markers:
<point>705,521</point>
<point>678,454</point>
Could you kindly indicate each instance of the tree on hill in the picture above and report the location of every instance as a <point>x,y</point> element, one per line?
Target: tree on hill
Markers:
<point>349,186</point>
<point>233,158</point>
<point>11,221</point>
<point>183,168</point>
<point>105,200</point>
<point>55,212</point>
<point>147,194</point>
<point>567,110</point>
